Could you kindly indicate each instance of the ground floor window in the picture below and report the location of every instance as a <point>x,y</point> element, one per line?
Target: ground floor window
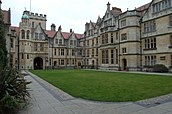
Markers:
<point>150,60</point>
<point>171,60</point>
<point>105,57</point>
<point>112,56</point>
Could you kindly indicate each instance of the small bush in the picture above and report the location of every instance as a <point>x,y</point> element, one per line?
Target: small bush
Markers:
<point>13,90</point>
<point>160,68</point>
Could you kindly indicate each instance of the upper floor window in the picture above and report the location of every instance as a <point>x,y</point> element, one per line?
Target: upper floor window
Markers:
<point>87,42</point>
<point>73,52</point>
<point>71,42</point>
<point>27,56</point>
<point>88,53</point>
<point>150,43</point>
<point>92,52</point>
<point>124,36</point>
<point>92,42</point>
<point>74,42</point>
<point>23,34</point>
<point>28,33</point>
<point>171,21</point>
<point>40,36</point>
<point>41,47</point>
<point>35,46</point>
<point>124,50</point>
<point>112,38</point>
<point>106,38</point>
<point>36,36</point>
<point>22,56</point>
<point>96,40</point>
<point>62,52</point>
<point>150,26</point>
<point>162,5</point>
<point>55,51</point>
<point>171,40</point>
<point>11,43</point>
<point>123,23</point>
<point>33,25</point>
<point>60,41</point>
<point>56,41</point>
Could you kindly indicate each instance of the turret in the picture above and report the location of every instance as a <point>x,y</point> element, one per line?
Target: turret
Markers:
<point>25,17</point>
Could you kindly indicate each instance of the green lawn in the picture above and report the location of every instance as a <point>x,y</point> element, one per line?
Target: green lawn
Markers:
<point>107,86</point>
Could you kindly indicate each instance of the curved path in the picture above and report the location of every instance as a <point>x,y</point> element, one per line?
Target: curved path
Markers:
<point>47,99</point>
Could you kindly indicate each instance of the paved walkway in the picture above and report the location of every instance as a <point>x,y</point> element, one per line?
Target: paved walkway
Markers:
<point>47,99</point>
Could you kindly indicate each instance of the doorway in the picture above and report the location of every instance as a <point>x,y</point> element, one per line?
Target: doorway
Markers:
<point>38,63</point>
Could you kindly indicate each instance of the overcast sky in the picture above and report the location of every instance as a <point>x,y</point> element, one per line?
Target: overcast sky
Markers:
<point>67,13</point>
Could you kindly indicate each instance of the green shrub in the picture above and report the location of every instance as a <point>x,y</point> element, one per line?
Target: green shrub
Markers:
<point>160,68</point>
<point>13,90</point>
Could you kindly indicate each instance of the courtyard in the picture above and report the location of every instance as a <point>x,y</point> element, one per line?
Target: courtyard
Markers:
<point>107,86</point>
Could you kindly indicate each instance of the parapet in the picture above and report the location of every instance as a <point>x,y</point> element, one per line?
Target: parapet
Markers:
<point>35,15</point>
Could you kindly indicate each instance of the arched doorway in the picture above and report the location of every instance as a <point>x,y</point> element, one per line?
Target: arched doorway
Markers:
<point>55,63</point>
<point>38,63</point>
<point>124,63</point>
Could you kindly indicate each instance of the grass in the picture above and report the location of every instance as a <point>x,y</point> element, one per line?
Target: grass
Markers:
<point>107,86</point>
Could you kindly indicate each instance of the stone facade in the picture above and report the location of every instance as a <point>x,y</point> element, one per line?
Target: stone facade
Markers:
<point>131,40</point>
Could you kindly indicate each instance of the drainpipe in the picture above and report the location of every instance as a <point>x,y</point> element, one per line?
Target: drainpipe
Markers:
<point>118,29</point>
<point>141,66</point>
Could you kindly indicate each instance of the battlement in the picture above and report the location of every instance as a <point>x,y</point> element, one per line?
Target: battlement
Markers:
<point>35,15</point>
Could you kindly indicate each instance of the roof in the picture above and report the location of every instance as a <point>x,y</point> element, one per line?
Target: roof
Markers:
<point>143,7</point>
<point>50,33</point>
<point>6,16</point>
<point>25,16</point>
<point>79,36</point>
<point>116,11</point>
<point>66,35</point>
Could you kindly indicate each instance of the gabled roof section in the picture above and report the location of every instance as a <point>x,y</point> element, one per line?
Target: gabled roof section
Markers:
<point>79,36</point>
<point>7,16</point>
<point>50,33</point>
<point>143,7</point>
<point>66,35</point>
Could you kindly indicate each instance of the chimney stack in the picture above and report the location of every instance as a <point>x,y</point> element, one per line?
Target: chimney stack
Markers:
<point>53,27</point>
<point>70,30</point>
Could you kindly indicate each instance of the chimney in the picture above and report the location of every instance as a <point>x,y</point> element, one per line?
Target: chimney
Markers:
<point>70,30</point>
<point>108,6</point>
<point>53,27</point>
<point>115,9</point>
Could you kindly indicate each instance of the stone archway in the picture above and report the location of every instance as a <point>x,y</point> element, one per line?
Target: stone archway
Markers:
<point>38,63</point>
<point>124,64</point>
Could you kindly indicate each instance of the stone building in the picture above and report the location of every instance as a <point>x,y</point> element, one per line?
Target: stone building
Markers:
<point>156,34</point>
<point>38,48</point>
<point>132,40</point>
